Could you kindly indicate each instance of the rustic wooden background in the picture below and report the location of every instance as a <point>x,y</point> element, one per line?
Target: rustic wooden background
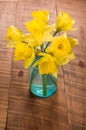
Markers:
<point>20,110</point>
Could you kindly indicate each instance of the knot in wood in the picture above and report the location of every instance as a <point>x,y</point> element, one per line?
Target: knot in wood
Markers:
<point>20,73</point>
<point>81,64</point>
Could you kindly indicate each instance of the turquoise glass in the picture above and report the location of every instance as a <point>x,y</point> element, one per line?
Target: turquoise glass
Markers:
<point>42,85</point>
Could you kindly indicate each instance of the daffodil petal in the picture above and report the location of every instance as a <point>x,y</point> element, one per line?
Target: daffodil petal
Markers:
<point>64,21</point>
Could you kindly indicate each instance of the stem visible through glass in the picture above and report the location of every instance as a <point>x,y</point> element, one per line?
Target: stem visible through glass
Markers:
<point>44,83</point>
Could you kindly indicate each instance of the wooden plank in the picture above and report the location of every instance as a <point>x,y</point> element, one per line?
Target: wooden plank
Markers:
<point>6,18</point>
<point>26,111</point>
<point>74,73</point>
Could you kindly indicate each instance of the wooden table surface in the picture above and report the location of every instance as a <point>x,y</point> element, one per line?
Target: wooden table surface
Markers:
<point>19,109</point>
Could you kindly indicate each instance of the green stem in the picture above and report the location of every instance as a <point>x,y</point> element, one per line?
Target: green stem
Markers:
<point>44,83</point>
<point>57,30</point>
<point>42,48</point>
<point>47,45</point>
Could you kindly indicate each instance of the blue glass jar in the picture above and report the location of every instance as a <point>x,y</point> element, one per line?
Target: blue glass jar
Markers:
<point>42,85</point>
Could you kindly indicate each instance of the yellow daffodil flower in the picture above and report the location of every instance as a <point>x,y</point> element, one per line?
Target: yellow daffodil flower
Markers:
<point>39,27</point>
<point>24,52</point>
<point>60,48</point>
<point>64,22</point>
<point>41,15</point>
<point>13,36</point>
<point>35,26</point>
<point>41,41</point>
<point>46,64</point>
<point>40,32</point>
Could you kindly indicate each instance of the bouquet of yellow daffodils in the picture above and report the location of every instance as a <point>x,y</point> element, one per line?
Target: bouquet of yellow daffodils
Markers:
<point>43,40</point>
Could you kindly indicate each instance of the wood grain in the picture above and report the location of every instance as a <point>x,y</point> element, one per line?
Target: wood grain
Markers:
<point>6,18</point>
<point>19,109</point>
